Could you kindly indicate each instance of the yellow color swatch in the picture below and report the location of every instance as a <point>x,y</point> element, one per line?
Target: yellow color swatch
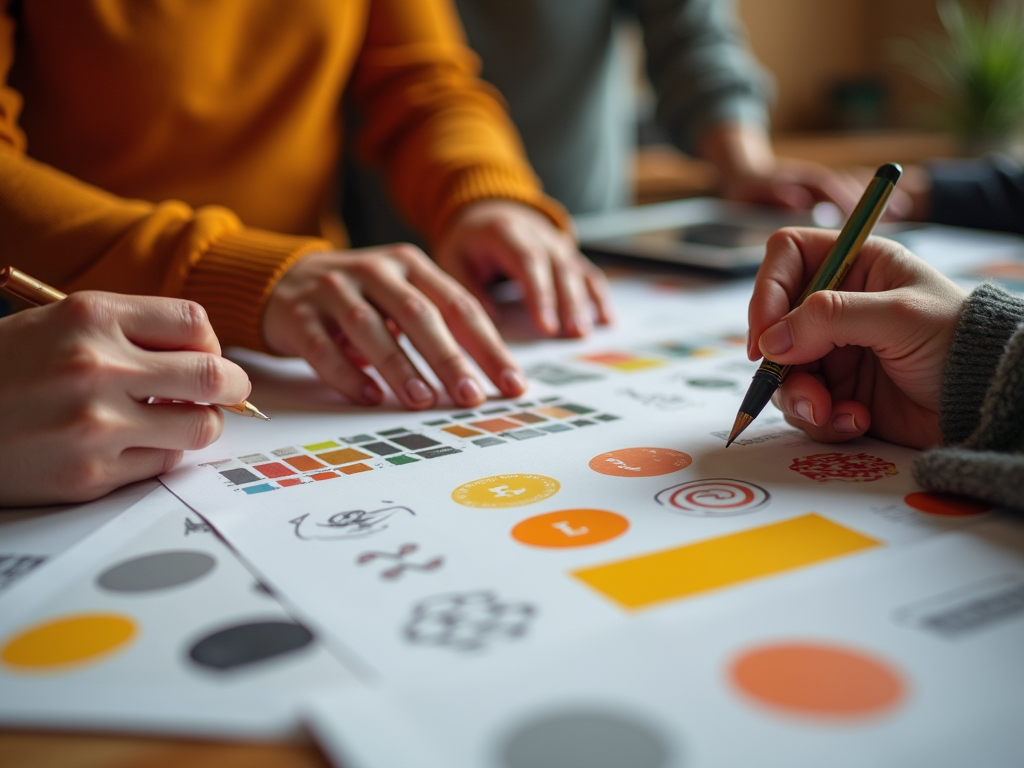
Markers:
<point>689,570</point>
<point>68,640</point>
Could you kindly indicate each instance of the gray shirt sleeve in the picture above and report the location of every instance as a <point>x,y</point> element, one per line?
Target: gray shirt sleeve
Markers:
<point>701,66</point>
<point>982,410</point>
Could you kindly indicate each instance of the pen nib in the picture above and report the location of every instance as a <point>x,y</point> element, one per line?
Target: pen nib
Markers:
<point>742,422</point>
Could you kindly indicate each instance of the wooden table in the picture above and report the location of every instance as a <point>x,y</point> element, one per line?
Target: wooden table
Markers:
<point>43,749</point>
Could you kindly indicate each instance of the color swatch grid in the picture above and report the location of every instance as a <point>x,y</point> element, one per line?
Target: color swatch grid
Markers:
<point>336,457</point>
<point>634,359</point>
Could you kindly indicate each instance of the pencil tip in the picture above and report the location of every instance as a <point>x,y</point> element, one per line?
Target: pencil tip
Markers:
<point>742,422</point>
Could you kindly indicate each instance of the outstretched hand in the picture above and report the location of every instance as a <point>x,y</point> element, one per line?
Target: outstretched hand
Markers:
<point>75,385</point>
<point>870,357</point>
<point>500,238</point>
<point>342,310</point>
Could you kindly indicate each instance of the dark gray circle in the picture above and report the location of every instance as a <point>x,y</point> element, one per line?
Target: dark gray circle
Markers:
<point>248,643</point>
<point>584,740</point>
<point>159,570</point>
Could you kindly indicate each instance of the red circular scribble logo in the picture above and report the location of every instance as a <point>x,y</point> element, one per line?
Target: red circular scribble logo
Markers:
<point>849,467</point>
<point>716,497</point>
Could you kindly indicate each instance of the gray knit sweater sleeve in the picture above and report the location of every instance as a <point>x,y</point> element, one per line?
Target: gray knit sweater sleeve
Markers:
<point>982,410</point>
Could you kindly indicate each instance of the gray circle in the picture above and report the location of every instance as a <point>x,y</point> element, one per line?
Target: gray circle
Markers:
<point>159,570</point>
<point>584,740</point>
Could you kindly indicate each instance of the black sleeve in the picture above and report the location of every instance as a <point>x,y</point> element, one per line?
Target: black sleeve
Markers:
<point>986,194</point>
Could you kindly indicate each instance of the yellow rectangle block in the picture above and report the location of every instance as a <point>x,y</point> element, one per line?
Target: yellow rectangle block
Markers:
<point>689,570</point>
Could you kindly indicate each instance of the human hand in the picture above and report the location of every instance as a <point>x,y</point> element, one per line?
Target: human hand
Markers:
<point>493,238</point>
<point>750,172</point>
<point>76,377</point>
<point>870,357</point>
<point>341,310</point>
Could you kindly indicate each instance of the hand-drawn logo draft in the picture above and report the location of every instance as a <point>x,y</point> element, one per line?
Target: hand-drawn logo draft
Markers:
<point>401,565</point>
<point>715,497</point>
<point>350,524</point>
<point>467,621</point>
<point>848,467</point>
<point>498,491</point>
<point>640,462</point>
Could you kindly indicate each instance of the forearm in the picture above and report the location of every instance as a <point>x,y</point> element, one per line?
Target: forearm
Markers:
<point>983,406</point>
<point>702,68</point>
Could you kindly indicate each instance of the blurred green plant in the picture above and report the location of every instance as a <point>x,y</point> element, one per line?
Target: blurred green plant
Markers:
<point>976,68</point>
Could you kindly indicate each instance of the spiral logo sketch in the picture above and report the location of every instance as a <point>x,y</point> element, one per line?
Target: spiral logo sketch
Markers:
<point>715,497</point>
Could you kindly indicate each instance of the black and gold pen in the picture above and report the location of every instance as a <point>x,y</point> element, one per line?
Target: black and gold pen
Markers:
<point>830,274</point>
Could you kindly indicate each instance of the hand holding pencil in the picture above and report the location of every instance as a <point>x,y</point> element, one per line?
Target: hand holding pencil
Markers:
<point>75,379</point>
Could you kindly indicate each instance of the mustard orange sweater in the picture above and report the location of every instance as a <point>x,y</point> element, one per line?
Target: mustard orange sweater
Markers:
<point>188,147</point>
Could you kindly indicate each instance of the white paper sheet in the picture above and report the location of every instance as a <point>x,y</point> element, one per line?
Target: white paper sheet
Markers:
<point>151,681</point>
<point>906,661</point>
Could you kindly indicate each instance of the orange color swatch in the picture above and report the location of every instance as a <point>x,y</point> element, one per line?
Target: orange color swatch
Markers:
<point>570,528</point>
<point>556,412</point>
<point>818,680</point>
<point>945,505</point>
<point>355,469</point>
<point>460,431</point>
<point>325,475</point>
<point>343,456</point>
<point>640,462</point>
<point>623,361</point>
<point>68,640</point>
<point>497,425</point>
<point>304,463</point>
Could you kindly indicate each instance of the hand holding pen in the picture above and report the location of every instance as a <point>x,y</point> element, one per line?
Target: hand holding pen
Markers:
<point>74,380</point>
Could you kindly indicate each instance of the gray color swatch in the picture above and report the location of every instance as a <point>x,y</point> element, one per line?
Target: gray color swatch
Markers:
<point>249,643</point>
<point>159,570</point>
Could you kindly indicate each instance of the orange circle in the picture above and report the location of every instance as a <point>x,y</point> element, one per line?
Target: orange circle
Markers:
<point>945,505</point>
<point>68,640</point>
<point>819,680</point>
<point>640,462</point>
<point>570,528</point>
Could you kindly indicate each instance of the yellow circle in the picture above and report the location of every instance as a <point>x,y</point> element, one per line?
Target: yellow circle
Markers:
<point>515,490</point>
<point>69,640</point>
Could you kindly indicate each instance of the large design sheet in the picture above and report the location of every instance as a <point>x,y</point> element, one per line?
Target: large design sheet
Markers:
<point>419,544</point>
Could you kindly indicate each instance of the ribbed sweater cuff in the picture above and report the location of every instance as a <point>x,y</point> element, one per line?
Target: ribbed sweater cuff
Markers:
<point>990,317</point>
<point>235,276</point>
<point>491,183</point>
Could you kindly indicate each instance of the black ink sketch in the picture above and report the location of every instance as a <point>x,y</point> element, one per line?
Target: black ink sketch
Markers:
<point>401,565</point>
<point>467,621</point>
<point>351,524</point>
<point>659,400</point>
<point>194,527</point>
<point>755,439</point>
<point>13,567</point>
<point>969,609</point>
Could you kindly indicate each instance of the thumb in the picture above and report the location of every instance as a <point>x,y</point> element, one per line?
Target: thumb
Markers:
<point>826,320</point>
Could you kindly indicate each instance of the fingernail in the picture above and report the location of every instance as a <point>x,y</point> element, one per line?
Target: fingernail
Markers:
<point>583,324</point>
<point>512,382</point>
<point>418,392</point>
<point>372,394</point>
<point>777,339</point>
<point>469,392</point>
<point>550,320</point>
<point>804,409</point>
<point>845,424</point>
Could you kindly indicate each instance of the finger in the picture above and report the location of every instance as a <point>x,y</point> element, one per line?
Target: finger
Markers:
<point>155,322</point>
<point>140,463</point>
<point>466,321</point>
<point>527,261</point>
<point>194,377</point>
<point>320,349</point>
<point>807,405</point>
<point>571,290</point>
<point>172,426</point>
<point>600,294</point>
<point>463,274</point>
<point>830,319</point>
